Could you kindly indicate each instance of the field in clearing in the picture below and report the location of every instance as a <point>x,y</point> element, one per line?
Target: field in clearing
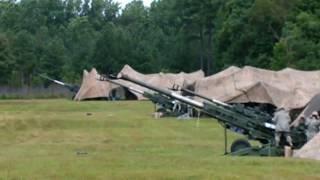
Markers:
<point>62,139</point>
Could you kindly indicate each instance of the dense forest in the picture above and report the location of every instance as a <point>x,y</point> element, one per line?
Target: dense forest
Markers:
<point>63,37</point>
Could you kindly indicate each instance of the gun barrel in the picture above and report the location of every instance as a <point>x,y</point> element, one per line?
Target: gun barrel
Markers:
<point>195,94</point>
<point>204,97</point>
<point>72,88</point>
<point>53,80</point>
<point>59,82</point>
<point>122,85</point>
<point>165,92</point>
<point>46,77</point>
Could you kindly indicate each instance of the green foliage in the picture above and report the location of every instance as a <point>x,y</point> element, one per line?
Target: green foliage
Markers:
<point>110,57</point>
<point>299,45</point>
<point>63,37</point>
<point>6,58</point>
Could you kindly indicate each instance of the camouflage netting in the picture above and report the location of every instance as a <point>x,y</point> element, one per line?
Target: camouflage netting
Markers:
<point>91,88</point>
<point>288,88</point>
<point>311,150</point>
<point>162,80</point>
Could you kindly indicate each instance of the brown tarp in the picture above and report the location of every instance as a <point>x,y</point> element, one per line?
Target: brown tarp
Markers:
<point>288,88</point>
<point>162,80</point>
<point>91,88</point>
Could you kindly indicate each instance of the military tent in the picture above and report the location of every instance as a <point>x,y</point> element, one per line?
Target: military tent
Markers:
<point>92,88</point>
<point>288,88</point>
<point>162,80</point>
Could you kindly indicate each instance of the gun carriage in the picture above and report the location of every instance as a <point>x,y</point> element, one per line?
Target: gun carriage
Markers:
<point>251,123</point>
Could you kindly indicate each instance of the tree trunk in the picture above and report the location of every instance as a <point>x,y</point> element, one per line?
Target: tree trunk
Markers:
<point>209,51</point>
<point>202,50</point>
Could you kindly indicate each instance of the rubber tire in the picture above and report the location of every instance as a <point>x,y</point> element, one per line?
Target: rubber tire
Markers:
<point>239,144</point>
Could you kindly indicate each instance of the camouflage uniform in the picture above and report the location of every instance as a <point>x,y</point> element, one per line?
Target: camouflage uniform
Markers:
<point>313,125</point>
<point>282,120</point>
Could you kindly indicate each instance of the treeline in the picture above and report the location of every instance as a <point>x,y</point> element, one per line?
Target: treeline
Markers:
<point>63,37</point>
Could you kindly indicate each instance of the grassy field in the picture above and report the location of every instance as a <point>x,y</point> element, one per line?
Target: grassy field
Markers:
<point>61,139</point>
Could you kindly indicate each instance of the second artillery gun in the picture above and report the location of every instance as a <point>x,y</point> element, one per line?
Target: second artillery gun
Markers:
<point>253,124</point>
<point>72,88</point>
<point>163,104</point>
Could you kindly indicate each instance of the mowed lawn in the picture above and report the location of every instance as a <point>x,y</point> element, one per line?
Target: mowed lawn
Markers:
<point>62,139</point>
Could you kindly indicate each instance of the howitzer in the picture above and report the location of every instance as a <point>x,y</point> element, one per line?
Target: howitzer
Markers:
<point>254,111</point>
<point>70,87</point>
<point>164,104</point>
<point>252,124</point>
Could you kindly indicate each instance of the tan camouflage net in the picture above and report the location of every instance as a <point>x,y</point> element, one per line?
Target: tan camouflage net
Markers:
<point>162,80</point>
<point>288,88</point>
<point>91,88</point>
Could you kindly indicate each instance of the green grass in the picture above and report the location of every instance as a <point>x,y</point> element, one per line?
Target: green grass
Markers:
<point>61,139</point>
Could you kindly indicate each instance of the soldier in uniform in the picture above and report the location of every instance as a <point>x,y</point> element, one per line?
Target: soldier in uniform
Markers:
<point>313,125</point>
<point>282,120</point>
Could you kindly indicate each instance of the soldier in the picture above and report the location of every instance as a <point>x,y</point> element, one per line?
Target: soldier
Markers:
<point>302,120</point>
<point>313,124</point>
<point>282,120</point>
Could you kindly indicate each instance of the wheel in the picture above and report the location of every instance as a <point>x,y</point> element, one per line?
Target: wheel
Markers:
<point>239,144</point>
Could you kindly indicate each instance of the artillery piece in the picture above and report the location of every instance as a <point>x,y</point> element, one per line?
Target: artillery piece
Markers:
<point>72,88</point>
<point>164,104</point>
<point>253,124</point>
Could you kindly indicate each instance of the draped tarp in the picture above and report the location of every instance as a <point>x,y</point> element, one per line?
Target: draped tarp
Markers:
<point>288,88</point>
<point>162,80</point>
<point>92,88</point>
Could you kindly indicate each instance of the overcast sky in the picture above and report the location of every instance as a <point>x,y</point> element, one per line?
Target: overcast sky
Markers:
<point>124,2</point>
